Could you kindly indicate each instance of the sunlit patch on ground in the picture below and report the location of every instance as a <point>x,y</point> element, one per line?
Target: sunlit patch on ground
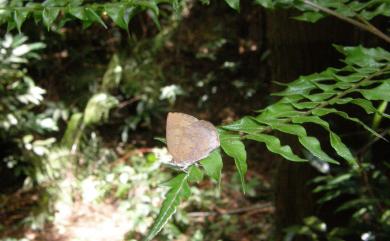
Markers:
<point>87,222</point>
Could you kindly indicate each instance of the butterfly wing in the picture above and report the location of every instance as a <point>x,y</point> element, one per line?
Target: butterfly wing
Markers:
<point>205,138</point>
<point>178,145</point>
<point>189,139</point>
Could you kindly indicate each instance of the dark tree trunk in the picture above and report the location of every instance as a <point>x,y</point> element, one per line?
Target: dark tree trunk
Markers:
<point>299,48</point>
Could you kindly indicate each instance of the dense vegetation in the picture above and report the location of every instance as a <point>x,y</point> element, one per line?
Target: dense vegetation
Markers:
<point>86,85</point>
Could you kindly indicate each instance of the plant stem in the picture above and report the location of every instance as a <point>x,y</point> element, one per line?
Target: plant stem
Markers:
<point>363,24</point>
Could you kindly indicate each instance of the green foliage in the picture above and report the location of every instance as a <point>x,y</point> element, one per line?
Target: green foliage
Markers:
<point>364,211</point>
<point>313,10</point>
<point>28,125</point>
<point>213,165</point>
<point>54,13</point>
<point>25,130</point>
<point>357,13</point>
<point>332,88</point>
<point>179,189</point>
<point>314,229</point>
<point>235,4</point>
<point>98,108</point>
<point>235,148</point>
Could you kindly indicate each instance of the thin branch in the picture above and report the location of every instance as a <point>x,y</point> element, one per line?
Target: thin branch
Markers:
<point>363,150</point>
<point>258,207</point>
<point>363,25</point>
<point>366,182</point>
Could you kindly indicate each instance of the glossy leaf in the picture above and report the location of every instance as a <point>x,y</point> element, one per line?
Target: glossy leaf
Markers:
<point>19,18</point>
<point>326,111</point>
<point>49,15</point>
<point>213,165</point>
<point>233,147</point>
<point>119,15</point>
<point>195,174</point>
<point>341,149</point>
<point>161,139</point>
<point>98,108</point>
<point>313,145</point>
<point>246,124</point>
<point>235,4</point>
<point>78,12</point>
<point>335,141</point>
<point>273,144</point>
<point>93,16</point>
<point>381,92</point>
<point>311,17</point>
<point>179,189</point>
<point>309,142</point>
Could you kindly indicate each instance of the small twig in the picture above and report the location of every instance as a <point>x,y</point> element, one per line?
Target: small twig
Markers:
<point>258,207</point>
<point>367,184</point>
<point>364,149</point>
<point>128,102</point>
<point>363,25</point>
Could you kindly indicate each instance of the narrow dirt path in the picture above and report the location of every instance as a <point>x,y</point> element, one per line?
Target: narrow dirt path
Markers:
<point>86,222</point>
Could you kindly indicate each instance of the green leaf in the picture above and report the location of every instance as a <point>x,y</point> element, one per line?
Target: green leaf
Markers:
<point>54,3</point>
<point>320,96</point>
<point>195,174</point>
<point>161,139</point>
<point>246,124</point>
<point>179,189</point>
<point>20,16</point>
<point>311,17</point>
<point>98,108</point>
<point>266,3</point>
<point>341,149</point>
<point>49,15</point>
<point>313,145</point>
<point>151,5</point>
<point>273,144</point>
<point>381,92</point>
<point>335,141</point>
<point>78,12</point>
<point>309,142</point>
<point>277,110</point>
<point>326,111</point>
<point>71,130</point>
<point>302,86</point>
<point>235,4</point>
<point>113,74</point>
<point>233,147</point>
<point>382,9</point>
<point>213,165</point>
<point>154,18</point>
<point>310,119</point>
<point>305,105</point>
<point>120,15</point>
<point>94,17</point>
<point>364,57</point>
<point>363,103</point>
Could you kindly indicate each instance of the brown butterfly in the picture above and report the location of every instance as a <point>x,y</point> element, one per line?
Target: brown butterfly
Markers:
<point>189,139</point>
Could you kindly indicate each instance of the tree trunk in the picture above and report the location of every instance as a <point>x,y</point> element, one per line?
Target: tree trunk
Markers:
<point>299,48</point>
